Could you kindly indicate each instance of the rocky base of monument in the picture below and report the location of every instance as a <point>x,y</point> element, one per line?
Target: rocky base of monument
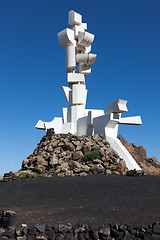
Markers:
<point>9,230</point>
<point>69,155</point>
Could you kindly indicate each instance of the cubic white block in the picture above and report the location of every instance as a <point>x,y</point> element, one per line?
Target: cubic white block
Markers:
<point>83,25</point>
<point>74,18</point>
<point>82,58</point>
<point>75,78</point>
<point>79,94</point>
<point>118,106</point>
<point>85,38</point>
<point>84,69</point>
<point>77,29</point>
<point>91,58</point>
<point>66,38</point>
<point>86,58</point>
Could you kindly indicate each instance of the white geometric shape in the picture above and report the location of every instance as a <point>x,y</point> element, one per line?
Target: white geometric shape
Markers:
<point>75,78</point>
<point>68,94</point>
<point>91,114</point>
<point>40,125</point>
<point>112,120</point>
<point>66,115</point>
<point>117,106</point>
<point>65,111</point>
<point>116,144</point>
<point>77,29</point>
<point>86,58</point>
<point>113,132</point>
<point>56,123</point>
<point>79,94</point>
<point>74,18</point>
<point>99,124</point>
<point>92,58</point>
<point>67,128</point>
<point>66,38</point>
<point>85,39</point>
<point>82,58</point>
<point>85,124</point>
<point>105,125</point>
<point>87,49</point>
<point>131,120</point>
<point>70,59</point>
<point>77,111</point>
<point>84,69</point>
<point>82,126</point>
<point>80,48</point>
<point>83,25</point>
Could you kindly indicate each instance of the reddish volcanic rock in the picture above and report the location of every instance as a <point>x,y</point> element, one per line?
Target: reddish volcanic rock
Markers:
<point>149,165</point>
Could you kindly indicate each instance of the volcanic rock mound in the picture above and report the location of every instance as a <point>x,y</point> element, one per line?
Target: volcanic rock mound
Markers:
<point>70,155</point>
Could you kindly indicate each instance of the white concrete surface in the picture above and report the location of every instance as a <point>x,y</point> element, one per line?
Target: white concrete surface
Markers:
<point>75,78</point>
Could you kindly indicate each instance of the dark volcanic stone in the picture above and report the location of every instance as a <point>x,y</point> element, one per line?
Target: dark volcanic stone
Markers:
<point>50,233</point>
<point>50,132</point>
<point>9,219</point>
<point>156,228</point>
<point>10,232</point>
<point>134,173</point>
<point>128,236</point>
<point>40,228</point>
<point>31,231</point>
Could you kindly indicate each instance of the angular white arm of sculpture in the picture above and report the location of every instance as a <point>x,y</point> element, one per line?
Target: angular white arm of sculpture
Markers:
<point>107,126</point>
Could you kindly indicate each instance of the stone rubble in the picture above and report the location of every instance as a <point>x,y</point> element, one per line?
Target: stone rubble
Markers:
<point>9,230</point>
<point>64,155</point>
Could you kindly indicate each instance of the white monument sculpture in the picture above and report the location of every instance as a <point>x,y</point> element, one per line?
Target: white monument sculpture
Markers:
<point>76,119</point>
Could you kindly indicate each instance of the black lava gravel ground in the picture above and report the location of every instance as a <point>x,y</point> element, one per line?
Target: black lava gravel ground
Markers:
<point>96,199</point>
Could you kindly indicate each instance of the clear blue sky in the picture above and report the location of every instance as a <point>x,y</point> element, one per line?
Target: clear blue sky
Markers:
<point>32,68</point>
